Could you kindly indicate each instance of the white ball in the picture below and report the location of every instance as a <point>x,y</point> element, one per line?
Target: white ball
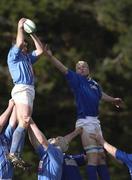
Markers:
<point>29,26</point>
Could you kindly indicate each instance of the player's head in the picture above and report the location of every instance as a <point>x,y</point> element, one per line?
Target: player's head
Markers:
<point>59,142</point>
<point>82,68</point>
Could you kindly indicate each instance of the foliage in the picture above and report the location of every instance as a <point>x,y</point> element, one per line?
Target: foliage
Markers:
<point>98,31</point>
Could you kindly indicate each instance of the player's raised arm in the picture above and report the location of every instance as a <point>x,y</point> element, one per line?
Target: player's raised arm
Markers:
<point>38,44</point>
<point>69,137</point>
<point>36,136</point>
<point>58,64</point>
<point>20,33</point>
<point>5,115</point>
<point>116,101</point>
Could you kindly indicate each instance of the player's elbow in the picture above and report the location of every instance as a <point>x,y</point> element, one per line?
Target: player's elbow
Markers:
<point>39,52</point>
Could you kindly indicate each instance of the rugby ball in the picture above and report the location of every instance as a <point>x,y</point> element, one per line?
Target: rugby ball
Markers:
<point>29,26</point>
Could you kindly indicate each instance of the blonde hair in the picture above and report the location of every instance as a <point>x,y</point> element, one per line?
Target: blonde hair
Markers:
<point>60,142</point>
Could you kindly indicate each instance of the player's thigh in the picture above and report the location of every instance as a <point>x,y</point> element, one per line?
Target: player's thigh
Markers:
<point>87,140</point>
<point>23,109</point>
<point>24,113</point>
<point>90,145</point>
<point>23,97</point>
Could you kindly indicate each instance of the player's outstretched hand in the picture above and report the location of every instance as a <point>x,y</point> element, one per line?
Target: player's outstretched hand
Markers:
<point>118,102</point>
<point>79,130</point>
<point>98,137</point>
<point>11,103</point>
<point>21,22</point>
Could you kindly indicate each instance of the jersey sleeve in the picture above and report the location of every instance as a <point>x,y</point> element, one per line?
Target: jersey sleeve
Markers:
<point>32,56</point>
<point>14,53</point>
<point>9,132</point>
<point>79,159</point>
<point>40,150</point>
<point>72,79</point>
<point>124,157</point>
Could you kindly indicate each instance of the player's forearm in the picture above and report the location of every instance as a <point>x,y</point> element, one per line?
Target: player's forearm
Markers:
<point>107,98</point>
<point>20,37</point>
<point>38,44</point>
<point>109,148</point>
<point>69,137</point>
<point>5,115</point>
<point>38,134</point>
<point>58,64</point>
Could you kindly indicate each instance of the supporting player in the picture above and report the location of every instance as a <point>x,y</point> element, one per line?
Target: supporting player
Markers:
<point>71,166</point>
<point>6,168</point>
<point>50,152</point>
<point>120,155</point>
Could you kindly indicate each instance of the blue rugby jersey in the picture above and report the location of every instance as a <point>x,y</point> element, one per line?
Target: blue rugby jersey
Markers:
<point>126,159</point>
<point>71,167</point>
<point>20,66</point>
<point>6,168</point>
<point>50,165</point>
<point>87,94</point>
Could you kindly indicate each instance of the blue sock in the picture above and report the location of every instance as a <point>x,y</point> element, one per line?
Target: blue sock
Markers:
<point>21,145</point>
<point>91,172</point>
<point>103,172</point>
<point>18,140</point>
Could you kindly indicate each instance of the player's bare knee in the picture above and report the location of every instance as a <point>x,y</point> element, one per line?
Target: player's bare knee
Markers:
<point>92,161</point>
<point>102,158</point>
<point>26,119</point>
<point>92,158</point>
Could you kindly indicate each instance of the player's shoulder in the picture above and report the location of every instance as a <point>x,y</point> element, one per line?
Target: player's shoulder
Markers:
<point>70,73</point>
<point>14,49</point>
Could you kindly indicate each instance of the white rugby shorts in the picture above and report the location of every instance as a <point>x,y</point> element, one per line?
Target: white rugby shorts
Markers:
<point>24,94</point>
<point>90,124</point>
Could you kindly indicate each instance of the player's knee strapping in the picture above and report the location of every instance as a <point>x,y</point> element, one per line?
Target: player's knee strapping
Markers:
<point>94,149</point>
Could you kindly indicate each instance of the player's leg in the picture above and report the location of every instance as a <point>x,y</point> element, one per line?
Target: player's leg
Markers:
<point>102,168</point>
<point>90,146</point>
<point>23,116</point>
<point>23,98</point>
<point>18,139</point>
